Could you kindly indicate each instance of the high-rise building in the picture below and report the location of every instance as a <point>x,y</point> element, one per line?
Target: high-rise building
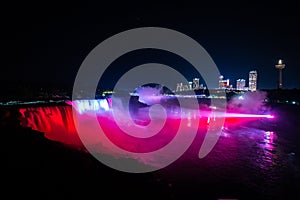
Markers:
<point>190,85</point>
<point>223,83</point>
<point>280,66</point>
<point>196,83</point>
<point>240,84</point>
<point>185,87</point>
<point>253,80</point>
<point>179,87</point>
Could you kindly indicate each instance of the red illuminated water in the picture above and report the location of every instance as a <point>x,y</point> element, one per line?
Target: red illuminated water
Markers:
<point>58,123</point>
<point>255,154</point>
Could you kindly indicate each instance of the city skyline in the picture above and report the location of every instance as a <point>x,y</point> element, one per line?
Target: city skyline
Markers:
<point>238,84</point>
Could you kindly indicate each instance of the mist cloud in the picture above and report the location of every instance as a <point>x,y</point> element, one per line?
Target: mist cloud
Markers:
<point>249,102</point>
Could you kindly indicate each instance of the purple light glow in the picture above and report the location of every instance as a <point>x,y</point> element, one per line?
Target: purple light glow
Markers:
<point>58,124</point>
<point>242,115</point>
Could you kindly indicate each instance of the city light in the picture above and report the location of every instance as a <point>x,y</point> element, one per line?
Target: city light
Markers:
<point>222,84</point>
<point>280,66</point>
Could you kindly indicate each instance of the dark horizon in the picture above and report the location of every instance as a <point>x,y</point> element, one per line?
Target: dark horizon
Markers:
<point>48,45</point>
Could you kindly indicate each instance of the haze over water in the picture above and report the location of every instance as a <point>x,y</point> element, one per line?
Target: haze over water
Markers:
<point>253,158</point>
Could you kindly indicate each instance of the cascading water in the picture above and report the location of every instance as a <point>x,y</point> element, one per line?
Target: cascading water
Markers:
<point>57,123</point>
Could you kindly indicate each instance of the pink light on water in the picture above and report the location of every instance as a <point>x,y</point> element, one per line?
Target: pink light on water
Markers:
<point>271,116</point>
<point>243,115</point>
<point>58,123</point>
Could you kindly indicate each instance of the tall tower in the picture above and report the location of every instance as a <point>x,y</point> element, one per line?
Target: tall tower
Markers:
<point>252,80</point>
<point>280,66</point>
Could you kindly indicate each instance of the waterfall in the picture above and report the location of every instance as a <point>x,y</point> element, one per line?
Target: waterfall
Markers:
<point>56,122</point>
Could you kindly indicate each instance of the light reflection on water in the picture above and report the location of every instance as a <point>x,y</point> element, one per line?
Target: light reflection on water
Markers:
<point>57,123</point>
<point>253,154</point>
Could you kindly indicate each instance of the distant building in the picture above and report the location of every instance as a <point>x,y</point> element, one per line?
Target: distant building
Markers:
<point>223,83</point>
<point>240,84</point>
<point>253,80</point>
<point>190,85</point>
<point>196,83</point>
<point>185,87</point>
<point>179,87</point>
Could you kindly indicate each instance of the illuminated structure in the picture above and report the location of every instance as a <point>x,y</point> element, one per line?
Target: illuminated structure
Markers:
<point>182,87</point>
<point>253,80</point>
<point>196,83</point>
<point>185,87</point>
<point>280,66</point>
<point>179,87</point>
<point>190,85</point>
<point>223,83</point>
<point>240,84</point>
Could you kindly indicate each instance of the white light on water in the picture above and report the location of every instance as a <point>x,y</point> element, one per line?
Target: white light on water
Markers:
<point>83,106</point>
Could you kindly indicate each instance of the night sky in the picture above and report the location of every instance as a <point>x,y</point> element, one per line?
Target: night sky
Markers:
<point>48,43</point>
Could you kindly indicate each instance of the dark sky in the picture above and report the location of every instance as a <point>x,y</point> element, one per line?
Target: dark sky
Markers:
<point>47,43</point>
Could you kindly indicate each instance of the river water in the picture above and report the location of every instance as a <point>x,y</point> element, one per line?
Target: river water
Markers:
<point>255,158</point>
